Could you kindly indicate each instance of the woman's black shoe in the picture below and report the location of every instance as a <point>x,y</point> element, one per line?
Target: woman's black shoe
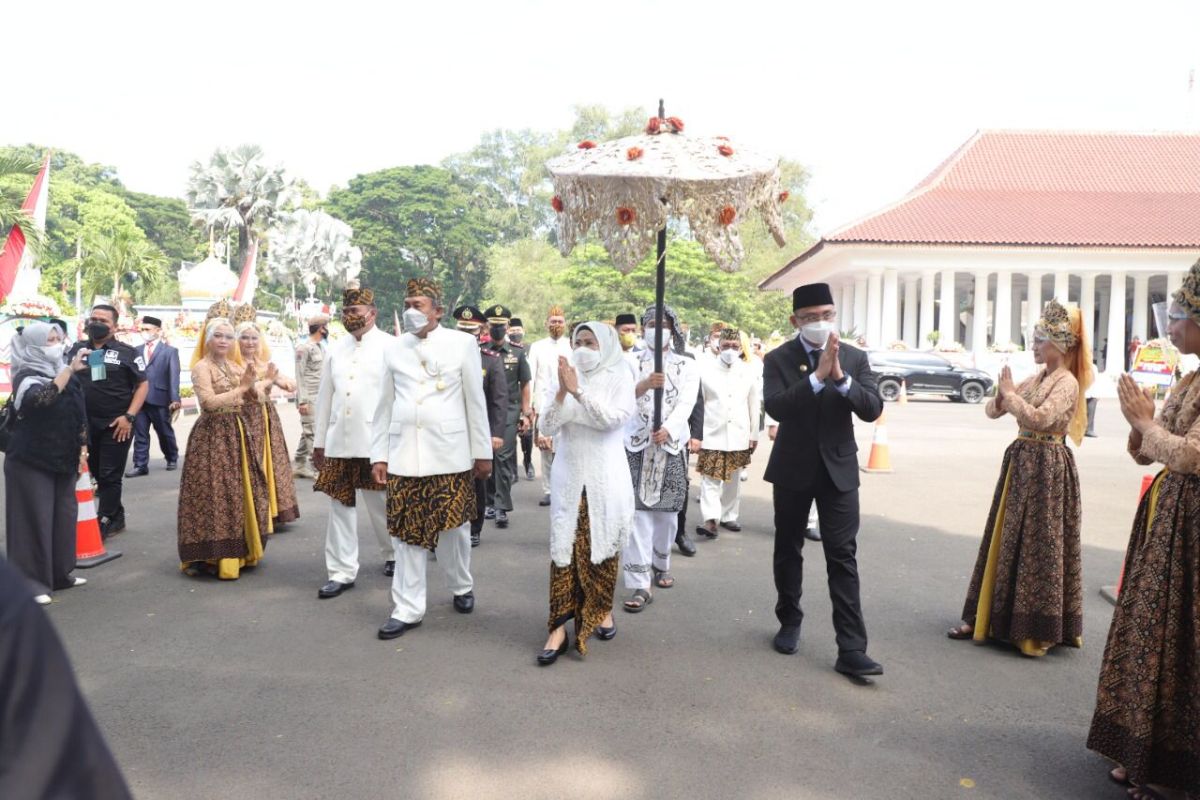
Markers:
<point>606,633</point>
<point>548,657</point>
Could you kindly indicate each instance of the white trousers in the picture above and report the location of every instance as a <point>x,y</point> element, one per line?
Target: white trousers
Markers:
<point>649,546</point>
<point>547,464</point>
<point>341,535</point>
<point>720,500</point>
<point>408,585</point>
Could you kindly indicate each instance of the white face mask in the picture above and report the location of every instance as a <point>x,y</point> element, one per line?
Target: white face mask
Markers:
<point>816,333</point>
<point>413,320</point>
<point>149,337</point>
<point>54,352</point>
<point>729,356</point>
<point>651,337</point>
<point>585,358</point>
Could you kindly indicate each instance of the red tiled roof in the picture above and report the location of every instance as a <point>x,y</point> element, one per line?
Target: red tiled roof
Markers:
<point>1050,188</point>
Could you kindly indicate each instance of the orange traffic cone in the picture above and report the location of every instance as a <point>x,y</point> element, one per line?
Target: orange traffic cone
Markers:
<point>880,460</point>
<point>89,547</point>
<point>1111,593</point>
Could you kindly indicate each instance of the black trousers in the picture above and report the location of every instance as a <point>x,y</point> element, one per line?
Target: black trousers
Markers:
<point>40,514</point>
<point>527,448</point>
<point>160,418</point>
<point>106,462</point>
<point>839,532</point>
<point>480,502</point>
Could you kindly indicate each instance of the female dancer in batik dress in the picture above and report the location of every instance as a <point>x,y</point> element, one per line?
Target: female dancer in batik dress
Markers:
<point>1148,702</point>
<point>263,423</point>
<point>223,514</point>
<point>1027,588</point>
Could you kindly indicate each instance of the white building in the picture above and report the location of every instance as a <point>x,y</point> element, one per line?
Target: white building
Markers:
<point>1110,221</point>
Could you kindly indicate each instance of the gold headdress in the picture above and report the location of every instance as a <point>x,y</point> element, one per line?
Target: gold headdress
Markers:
<point>556,311</point>
<point>1056,326</point>
<point>244,313</point>
<point>218,310</point>
<point>1188,295</point>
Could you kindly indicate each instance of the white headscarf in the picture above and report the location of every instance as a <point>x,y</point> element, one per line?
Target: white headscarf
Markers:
<point>610,348</point>
<point>29,354</point>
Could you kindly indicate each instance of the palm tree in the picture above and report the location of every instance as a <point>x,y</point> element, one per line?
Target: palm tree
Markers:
<point>111,260</point>
<point>313,247</point>
<point>237,190</point>
<point>13,165</point>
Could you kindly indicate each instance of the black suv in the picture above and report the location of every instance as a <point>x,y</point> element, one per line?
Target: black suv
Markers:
<point>927,373</point>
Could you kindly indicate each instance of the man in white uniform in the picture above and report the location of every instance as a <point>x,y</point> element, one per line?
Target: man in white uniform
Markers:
<point>732,399</point>
<point>430,441</point>
<point>350,385</point>
<point>543,364</point>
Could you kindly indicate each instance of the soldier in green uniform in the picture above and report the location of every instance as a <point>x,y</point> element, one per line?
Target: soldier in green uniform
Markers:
<point>520,413</point>
<point>310,360</point>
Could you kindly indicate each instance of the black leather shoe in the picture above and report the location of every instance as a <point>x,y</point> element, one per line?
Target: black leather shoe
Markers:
<point>172,466</point>
<point>548,657</point>
<point>464,603</point>
<point>474,538</point>
<point>389,568</point>
<point>501,518</point>
<point>394,627</point>
<point>702,530</point>
<point>787,641</point>
<point>685,544</point>
<point>489,513</point>
<point>529,472</point>
<point>812,534</point>
<point>731,526</point>
<point>858,664</point>
<point>108,527</point>
<point>545,501</point>
<point>606,633</point>
<point>333,589</point>
<point>137,472</point>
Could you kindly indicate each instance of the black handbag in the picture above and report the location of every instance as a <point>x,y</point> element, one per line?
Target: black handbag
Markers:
<point>8,418</point>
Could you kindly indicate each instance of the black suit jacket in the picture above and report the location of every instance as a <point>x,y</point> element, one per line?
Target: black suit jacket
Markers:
<point>816,428</point>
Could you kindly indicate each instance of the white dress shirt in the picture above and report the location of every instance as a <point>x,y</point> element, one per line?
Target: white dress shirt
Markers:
<point>350,385</point>
<point>543,364</point>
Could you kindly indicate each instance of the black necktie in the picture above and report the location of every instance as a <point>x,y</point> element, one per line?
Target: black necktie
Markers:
<point>816,357</point>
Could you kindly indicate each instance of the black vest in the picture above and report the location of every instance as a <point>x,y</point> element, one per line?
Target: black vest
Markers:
<point>47,437</point>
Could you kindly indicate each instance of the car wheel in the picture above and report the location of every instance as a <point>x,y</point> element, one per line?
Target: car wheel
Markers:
<point>889,389</point>
<point>972,392</point>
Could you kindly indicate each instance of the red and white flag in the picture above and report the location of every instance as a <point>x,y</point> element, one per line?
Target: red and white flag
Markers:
<point>16,256</point>
<point>249,280</point>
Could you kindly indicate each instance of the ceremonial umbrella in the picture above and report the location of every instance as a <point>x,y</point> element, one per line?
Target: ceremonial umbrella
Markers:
<point>628,188</point>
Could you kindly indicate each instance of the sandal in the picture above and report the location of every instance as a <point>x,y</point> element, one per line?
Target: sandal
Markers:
<point>641,598</point>
<point>663,579</point>
<point>1119,776</point>
<point>963,631</point>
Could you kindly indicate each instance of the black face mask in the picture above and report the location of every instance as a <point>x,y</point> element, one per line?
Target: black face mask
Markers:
<point>498,332</point>
<point>324,333</point>
<point>516,338</point>
<point>98,331</point>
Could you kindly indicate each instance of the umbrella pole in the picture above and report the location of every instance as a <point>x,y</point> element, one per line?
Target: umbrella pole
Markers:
<point>660,281</point>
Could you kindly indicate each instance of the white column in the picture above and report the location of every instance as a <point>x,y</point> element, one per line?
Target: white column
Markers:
<point>1174,281</point>
<point>1062,286</point>
<point>1033,306</point>
<point>889,325</point>
<point>948,316</point>
<point>979,338</point>
<point>1002,318</point>
<point>846,309</point>
<point>926,326</point>
<point>1102,305</point>
<point>910,312</point>
<point>860,306</point>
<point>875,309</point>
<point>1115,362</point>
<point>1087,308</point>
<point>1141,303</point>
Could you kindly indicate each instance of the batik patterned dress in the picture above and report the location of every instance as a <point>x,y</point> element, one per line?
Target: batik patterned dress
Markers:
<point>1148,701</point>
<point>1027,587</point>
<point>265,430</point>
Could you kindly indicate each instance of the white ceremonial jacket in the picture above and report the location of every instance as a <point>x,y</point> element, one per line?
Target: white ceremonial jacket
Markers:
<point>350,384</point>
<point>679,398</point>
<point>732,402</point>
<point>543,363</point>
<point>590,454</point>
<point>431,417</point>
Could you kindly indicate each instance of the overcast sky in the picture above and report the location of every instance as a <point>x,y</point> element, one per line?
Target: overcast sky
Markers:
<point>869,95</point>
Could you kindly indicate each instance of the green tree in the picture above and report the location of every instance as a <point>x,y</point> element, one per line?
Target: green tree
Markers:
<point>121,259</point>
<point>412,221</point>
<point>167,224</point>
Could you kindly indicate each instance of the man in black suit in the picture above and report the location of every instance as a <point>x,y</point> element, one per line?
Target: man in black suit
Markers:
<point>811,386</point>
<point>162,401</point>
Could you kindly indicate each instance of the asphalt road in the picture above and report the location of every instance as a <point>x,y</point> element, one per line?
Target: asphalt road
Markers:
<point>258,689</point>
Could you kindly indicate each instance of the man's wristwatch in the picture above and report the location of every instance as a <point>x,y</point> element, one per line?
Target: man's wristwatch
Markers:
<point>130,418</point>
